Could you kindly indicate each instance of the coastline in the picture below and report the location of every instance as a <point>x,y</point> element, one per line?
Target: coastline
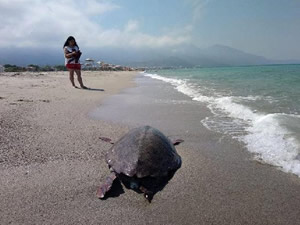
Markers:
<point>55,161</point>
<point>219,182</point>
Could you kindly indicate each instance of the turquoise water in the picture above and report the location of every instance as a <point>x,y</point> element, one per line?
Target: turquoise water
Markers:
<point>257,105</point>
<point>276,87</point>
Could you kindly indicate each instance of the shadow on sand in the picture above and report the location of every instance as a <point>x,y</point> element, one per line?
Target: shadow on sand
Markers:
<point>115,191</point>
<point>152,184</point>
<point>94,89</point>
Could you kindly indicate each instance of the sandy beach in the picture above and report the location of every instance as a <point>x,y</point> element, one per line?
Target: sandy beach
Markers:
<point>52,161</point>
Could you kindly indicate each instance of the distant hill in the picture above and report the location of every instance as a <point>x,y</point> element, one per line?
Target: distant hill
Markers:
<point>179,56</point>
<point>217,55</point>
<point>233,57</point>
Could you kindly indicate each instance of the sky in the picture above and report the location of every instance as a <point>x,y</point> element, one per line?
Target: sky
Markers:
<point>268,28</point>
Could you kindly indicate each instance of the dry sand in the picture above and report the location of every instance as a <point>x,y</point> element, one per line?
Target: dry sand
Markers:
<point>51,164</point>
<point>50,154</point>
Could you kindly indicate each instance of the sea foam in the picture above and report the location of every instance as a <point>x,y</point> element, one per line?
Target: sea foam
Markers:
<point>263,134</point>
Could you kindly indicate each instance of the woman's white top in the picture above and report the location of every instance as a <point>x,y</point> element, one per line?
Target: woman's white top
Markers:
<point>70,49</point>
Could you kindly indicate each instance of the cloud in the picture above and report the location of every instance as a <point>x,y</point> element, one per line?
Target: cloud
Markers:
<point>92,7</point>
<point>39,23</point>
<point>132,25</point>
<point>198,8</point>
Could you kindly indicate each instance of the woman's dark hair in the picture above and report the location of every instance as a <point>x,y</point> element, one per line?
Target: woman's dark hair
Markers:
<point>69,39</point>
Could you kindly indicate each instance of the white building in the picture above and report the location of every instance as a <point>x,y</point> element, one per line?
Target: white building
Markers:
<point>1,68</point>
<point>89,62</point>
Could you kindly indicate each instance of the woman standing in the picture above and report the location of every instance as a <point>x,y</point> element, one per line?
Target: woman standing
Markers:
<point>72,55</point>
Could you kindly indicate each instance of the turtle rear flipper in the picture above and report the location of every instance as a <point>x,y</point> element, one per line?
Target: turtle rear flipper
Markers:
<point>106,139</point>
<point>177,141</point>
<point>104,188</point>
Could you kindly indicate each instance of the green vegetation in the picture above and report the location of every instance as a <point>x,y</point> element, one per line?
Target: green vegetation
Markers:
<point>34,68</point>
<point>13,68</point>
<point>60,68</point>
<point>46,68</point>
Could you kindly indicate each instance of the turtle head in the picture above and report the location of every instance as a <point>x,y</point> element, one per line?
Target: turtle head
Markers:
<point>177,141</point>
<point>134,185</point>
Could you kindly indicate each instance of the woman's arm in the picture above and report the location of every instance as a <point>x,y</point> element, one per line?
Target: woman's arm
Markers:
<point>69,54</point>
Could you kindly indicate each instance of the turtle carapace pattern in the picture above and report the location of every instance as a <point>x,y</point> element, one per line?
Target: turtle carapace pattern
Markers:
<point>144,159</point>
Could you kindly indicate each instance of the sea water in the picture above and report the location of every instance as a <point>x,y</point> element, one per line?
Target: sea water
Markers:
<point>257,105</point>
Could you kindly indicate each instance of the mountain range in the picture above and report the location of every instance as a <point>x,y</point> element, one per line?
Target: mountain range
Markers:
<point>179,56</point>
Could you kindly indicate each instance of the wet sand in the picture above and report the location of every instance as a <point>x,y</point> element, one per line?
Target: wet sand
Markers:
<point>51,159</point>
<point>219,182</point>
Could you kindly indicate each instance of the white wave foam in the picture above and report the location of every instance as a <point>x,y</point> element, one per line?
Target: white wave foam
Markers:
<point>182,86</point>
<point>270,99</point>
<point>273,143</point>
<point>264,135</point>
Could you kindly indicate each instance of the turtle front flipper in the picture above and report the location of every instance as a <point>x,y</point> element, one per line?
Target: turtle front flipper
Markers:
<point>147,194</point>
<point>104,188</point>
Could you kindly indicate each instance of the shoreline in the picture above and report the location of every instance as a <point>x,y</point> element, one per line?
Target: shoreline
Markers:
<point>219,177</point>
<point>268,129</point>
<point>54,160</point>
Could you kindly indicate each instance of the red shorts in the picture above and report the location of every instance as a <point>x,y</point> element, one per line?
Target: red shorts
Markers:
<point>75,66</point>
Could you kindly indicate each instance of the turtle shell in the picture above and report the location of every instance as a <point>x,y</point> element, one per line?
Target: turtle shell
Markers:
<point>143,152</point>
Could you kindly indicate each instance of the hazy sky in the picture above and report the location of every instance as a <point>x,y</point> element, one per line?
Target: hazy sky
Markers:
<point>269,28</point>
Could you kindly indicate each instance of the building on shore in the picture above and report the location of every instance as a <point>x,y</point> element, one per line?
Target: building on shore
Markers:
<point>31,68</point>
<point>89,63</point>
<point>99,63</point>
<point>1,69</point>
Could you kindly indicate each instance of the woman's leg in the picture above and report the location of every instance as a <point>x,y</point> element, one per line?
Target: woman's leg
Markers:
<point>79,78</point>
<point>71,76</point>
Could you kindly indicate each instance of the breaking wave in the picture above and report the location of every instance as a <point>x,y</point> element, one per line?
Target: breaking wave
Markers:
<point>266,135</point>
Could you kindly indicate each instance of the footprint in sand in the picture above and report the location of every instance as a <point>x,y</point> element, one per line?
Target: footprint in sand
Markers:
<point>45,100</point>
<point>24,100</point>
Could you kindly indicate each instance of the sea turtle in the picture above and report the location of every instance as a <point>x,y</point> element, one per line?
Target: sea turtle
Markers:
<point>144,160</point>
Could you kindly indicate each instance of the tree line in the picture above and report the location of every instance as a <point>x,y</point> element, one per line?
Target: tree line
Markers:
<point>32,67</point>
